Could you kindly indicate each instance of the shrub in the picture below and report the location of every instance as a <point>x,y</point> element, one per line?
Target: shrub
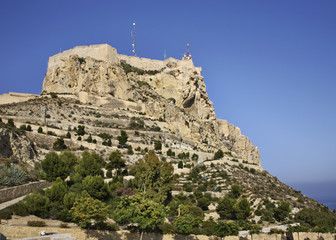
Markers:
<point>40,130</point>
<point>80,130</point>
<point>6,214</point>
<point>194,157</point>
<point>218,155</point>
<point>180,164</point>
<point>10,122</point>
<point>63,225</point>
<point>29,128</point>
<point>122,138</point>
<point>68,135</point>
<point>130,150</point>
<point>36,223</point>
<point>51,133</point>
<point>59,145</point>
<point>158,145</point>
<point>168,228</point>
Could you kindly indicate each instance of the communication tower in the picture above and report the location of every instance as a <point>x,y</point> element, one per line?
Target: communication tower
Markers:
<point>133,44</point>
<point>187,56</point>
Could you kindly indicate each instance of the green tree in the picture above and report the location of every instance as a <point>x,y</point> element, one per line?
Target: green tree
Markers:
<point>225,208</point>
<point>203,203</point>
<point>80,130</point>
<point>194,157</point>
<point>116,161</point>
<point>180,164</point>
<point>86,209</point>
<point>10,122</point>
<point>235,191</point>
<point>130,150</point>
<point>122,138</point>
<point>57,191</point>
<point>218,155</point>
<point>89,164</point>
<point>282,211</point>
<point>226,229</point>
<point>89,139</point>
<point>37,204</point>
<point>153,177</point>
<point>68,135</point>
<point>186,224</point>
<point>95,186</point>
<point>209,227</point>
<point>139,209</point>
<point>158,145</point>
<point>59,144</point>
<point>54,167</point>
<point>40,130</point>
<point>69,159</point>
<point>243,209</point>
<point>170,153</point>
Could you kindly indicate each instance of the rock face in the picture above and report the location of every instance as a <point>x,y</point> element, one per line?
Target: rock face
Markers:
<point>16,146</point>
<point>172,90</point>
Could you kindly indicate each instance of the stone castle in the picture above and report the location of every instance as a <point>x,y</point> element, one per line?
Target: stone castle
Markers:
<point>172,90</point>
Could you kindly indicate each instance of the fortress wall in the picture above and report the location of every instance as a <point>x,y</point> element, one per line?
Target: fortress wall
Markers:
<point>103,52</point>
<point>142,63</point>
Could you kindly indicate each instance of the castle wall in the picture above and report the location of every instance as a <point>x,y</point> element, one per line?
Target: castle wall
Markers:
<point>103,52</point>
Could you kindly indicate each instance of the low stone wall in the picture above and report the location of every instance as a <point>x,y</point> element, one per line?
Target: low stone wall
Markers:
<point>13,232</point>
<point>11,193</point>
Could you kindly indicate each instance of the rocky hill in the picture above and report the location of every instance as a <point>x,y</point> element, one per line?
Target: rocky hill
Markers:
<point>91,93</point>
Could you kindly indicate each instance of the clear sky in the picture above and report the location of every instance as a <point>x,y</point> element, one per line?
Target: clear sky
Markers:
<point>269,66</point>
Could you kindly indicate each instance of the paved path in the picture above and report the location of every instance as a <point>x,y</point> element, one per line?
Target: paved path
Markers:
<point>13,201</point>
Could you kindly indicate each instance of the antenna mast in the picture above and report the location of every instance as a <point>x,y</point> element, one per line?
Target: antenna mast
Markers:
<point>133,45</point>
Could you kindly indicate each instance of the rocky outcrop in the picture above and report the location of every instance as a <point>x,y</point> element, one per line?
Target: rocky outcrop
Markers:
<point>16,146</point>
<point>172,90</point>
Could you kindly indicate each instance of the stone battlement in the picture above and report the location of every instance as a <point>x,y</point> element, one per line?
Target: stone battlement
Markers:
<point>105,52</point>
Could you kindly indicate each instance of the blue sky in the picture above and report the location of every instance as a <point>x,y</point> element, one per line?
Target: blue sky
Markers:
<point>269,66</point>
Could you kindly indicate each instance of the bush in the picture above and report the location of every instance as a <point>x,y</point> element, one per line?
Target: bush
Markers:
<point>6,214</point>
<point>80,130</point>
<point>40,130</point>
<point>68,135</point>
<point>36,223</point>
<point>170,153</point>
<point>168,228</point>
<point>158,145</point>
<point>63,225</point>
<point>10,122</point>
<point>59,145</point>
<point>218,155</point>
<point>122,138</point>
<point>180,164</point>
<point>194,157</point>
<point>130,150</point>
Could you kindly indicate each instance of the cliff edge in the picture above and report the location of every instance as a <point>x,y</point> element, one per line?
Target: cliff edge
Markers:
<point>171,90</point>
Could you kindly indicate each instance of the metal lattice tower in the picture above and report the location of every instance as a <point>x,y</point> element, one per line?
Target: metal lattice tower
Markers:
<point>133,44</point>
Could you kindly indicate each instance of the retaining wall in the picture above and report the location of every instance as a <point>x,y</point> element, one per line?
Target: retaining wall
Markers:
<point>11,193</point>
<point>13,232</point>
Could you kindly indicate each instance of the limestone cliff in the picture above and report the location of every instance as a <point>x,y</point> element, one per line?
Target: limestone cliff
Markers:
<point>16,146</point>
<point>172,90</point>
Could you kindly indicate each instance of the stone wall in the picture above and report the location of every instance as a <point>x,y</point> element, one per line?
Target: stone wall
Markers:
<point>14,232</point>
<point>8,194</point>
<point>103,52</point>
